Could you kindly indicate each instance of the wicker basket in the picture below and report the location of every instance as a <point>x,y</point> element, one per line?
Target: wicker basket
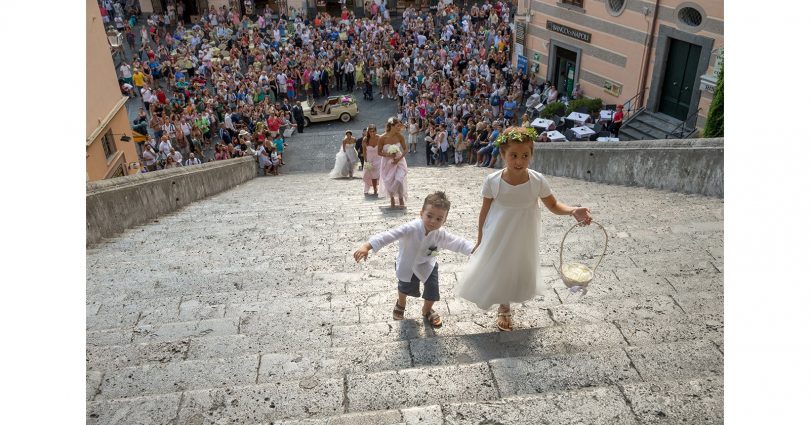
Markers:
<point>577,276</point>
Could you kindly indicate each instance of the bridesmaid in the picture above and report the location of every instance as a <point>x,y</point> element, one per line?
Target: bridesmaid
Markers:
<point>371,172</point>
<point>393,168</point>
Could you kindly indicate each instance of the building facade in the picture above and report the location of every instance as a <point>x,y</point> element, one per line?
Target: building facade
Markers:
<point>106,121</point>
<point>660,54</point>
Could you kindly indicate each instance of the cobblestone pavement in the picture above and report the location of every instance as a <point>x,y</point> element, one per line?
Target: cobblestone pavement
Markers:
<point>248,308</point>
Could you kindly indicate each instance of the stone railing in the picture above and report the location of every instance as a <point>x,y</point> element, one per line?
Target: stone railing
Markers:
<point>687,165</point>
<point>117,204</point>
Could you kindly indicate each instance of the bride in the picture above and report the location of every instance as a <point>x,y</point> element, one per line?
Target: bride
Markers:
<point>345,159</point>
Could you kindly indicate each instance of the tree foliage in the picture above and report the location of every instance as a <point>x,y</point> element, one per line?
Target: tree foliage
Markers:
<point>714,120</point>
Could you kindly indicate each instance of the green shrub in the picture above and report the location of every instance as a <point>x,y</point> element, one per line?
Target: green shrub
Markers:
<point>593,105</point>
<point>714,119</point>
<point>554,108</point>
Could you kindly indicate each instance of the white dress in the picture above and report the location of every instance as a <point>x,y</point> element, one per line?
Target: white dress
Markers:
<point>506,266</point>
<point>344,162</point>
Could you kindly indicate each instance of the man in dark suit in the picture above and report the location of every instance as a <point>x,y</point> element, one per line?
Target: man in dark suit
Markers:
<point>298,116</point>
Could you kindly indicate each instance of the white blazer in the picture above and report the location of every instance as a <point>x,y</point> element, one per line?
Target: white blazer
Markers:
<point>415,254</point>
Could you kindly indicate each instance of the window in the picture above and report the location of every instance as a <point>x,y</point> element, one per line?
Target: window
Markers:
<point>690,16</point>
<point>615,7</point>
<point>577,3</point>
<point>109,144</point>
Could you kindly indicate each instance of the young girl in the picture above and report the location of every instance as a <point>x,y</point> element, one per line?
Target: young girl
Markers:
<point>504,267</point>
<point>413,131</point>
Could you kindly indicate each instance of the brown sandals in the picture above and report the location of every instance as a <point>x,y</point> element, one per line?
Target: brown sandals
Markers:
<point>504,320</point>
<point>399,311</point>
<point>434,318</point>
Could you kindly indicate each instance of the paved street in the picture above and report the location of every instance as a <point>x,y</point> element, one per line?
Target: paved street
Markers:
<point>247,308</point>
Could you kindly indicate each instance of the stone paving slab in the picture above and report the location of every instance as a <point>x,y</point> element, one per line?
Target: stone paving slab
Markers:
<point>109,337</point>
<point>592,406</point>
<point>334,362</point>
<point>263,403</point>
<point>418,387</point>
<point>134,411</point>
<point>110,357</point>
<point>607,310</point>
<point>677,360</point>
<point>677,402</point>
<point>167,332</point>
<point>674,328</point>
<point>529,375</point>
<point>523,342</point>
<point>178,376</point>
<point>93,382</point>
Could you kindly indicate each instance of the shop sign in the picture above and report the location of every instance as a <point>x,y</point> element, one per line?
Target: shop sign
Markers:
<point>570,32</point>
<point>523,64</point>
<point>612,87</point>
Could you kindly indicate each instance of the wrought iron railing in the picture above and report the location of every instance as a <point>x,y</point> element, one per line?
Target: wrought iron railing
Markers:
<point>633,106</point>
<point>686,128</point>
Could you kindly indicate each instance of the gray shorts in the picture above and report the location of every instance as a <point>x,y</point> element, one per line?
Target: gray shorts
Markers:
<point>431,292</point>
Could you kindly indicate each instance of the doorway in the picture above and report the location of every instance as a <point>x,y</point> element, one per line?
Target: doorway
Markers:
<point>679,79</point>
<point>565,67</point>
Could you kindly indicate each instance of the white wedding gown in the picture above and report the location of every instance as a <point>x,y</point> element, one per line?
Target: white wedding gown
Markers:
<point>344,163</point>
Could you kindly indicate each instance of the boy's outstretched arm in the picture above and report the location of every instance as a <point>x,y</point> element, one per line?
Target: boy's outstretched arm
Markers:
<point>362,252</point>
<point>380,240</point>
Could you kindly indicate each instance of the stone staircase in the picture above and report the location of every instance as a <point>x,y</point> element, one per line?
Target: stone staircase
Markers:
<point>247,308</point>
<point>649,126</point>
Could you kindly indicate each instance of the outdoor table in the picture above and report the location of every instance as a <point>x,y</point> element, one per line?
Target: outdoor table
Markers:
<point>556,136</point>
<point>578,117</point>
<point>582,132</point>
<point>606,115</point>
<point>542,123</point>
<point>607,139</point>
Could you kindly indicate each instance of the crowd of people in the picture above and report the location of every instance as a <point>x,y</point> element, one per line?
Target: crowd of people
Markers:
<point>224,85</point>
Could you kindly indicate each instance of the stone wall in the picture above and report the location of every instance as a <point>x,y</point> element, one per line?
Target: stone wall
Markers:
<point>117,204</point>
<point>688,165</point>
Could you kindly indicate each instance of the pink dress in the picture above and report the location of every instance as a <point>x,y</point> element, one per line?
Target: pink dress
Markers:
<point>394,178</point>
<point>372,172</point>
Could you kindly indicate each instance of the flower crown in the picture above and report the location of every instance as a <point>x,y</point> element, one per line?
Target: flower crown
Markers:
<point>516,136</point>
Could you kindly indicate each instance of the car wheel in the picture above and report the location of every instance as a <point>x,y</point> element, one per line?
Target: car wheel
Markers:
<point>345,117</point>
<point>306,122</point>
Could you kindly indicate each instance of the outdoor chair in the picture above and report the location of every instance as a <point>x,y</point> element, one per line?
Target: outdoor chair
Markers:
<point>569,134</point>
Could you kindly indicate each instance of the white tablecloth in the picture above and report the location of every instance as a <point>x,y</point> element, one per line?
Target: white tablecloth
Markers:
<point>582,132</point>
<point>578,117</point>
<point>607,139</point>
<point>556,136</point>
<point>606,115</point>
<point>542,123</point>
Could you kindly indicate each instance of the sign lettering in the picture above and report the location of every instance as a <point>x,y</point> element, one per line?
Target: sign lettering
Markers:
<point>570,32</point>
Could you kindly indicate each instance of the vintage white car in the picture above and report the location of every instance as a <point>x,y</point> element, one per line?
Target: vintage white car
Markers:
<point>343,108</point>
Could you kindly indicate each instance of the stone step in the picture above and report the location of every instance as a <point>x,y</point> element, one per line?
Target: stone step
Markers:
<point>631,133</point>
<point>657,121</point>
<point>684,401</point>
<point>168,366</point>
<point>473,382</point>
<point>343,305</point>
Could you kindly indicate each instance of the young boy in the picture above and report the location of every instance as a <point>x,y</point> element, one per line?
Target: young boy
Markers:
<point>420,241</point>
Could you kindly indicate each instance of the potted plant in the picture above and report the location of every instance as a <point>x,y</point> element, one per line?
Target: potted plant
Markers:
<point>552,109</point>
